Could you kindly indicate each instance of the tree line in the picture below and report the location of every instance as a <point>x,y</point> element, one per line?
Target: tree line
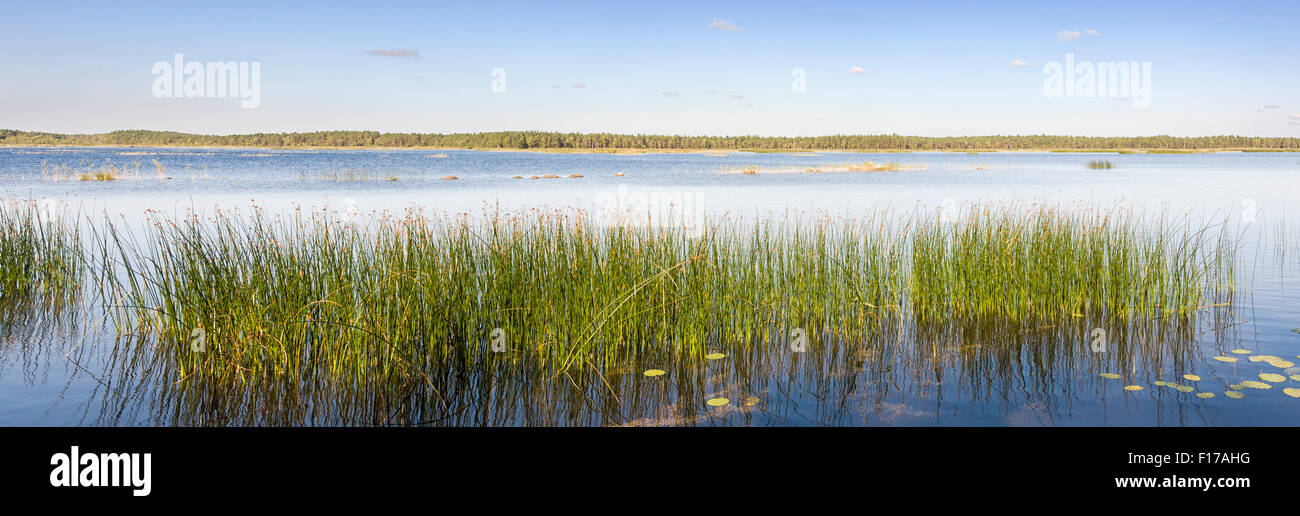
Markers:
<point>556,140</point>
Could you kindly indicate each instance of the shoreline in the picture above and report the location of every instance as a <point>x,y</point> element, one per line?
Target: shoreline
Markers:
<point>639,152</point>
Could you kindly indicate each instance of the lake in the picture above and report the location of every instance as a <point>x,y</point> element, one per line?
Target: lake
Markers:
<point>75,370</point>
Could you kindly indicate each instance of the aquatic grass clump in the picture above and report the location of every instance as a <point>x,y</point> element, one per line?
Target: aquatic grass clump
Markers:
<point>89,172</point>
<point>389,294</point>
<point>40,255</point>
<point>1100,164</point>
<point>1048,266</point>
<point>402,300</point>
<point>868,166</point>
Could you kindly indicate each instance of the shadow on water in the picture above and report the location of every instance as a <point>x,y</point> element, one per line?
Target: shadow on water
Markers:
<point>899,375</point>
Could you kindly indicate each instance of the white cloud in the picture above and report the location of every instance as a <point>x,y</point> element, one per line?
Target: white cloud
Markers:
<point>1067,35</point>
<point>725,25</point>
<point>670,93</point>
<point>1071,35</point>
<point>857,70</point>
<point>736,96</point>
<point>1295,116</point>
<point>579,85</point>
<point>395,52</point>
<point>1019,64</point>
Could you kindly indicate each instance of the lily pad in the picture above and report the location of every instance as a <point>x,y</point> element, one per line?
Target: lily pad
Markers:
<point>1226,359</point>
<point>751,401</point>
<point>1205,395</point>
<point>1294,393</point>
<point>1296,377</point>
<point>1256,385</point>
<point>1133,388</point>
<point>1185,388</point>
<point>1237,387</point>
<point>714,356</point>
<point>654,372</point>
<point>1160,383</point>
<point>1192,377</point>
<point>1241,351</point>
<point>1236,395</point>
<point>1281,364</point>
<point>1271,377</point>
<point>718,402</point>
<point>1111,376</point>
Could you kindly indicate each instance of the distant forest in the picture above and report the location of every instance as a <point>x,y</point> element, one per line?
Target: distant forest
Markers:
<point>595,141</point>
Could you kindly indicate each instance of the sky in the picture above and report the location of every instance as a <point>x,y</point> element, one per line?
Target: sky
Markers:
<point>692,68</point>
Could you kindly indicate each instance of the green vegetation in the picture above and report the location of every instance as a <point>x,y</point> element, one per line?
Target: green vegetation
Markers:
<point>89,172</point>
<point>388,301</point>
<point>608,141</point>
<point>1050,266</point>
<point>1100,164</point>
<point>40,256</point>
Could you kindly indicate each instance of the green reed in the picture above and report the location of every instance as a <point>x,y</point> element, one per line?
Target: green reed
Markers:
<point>348,300</point>
<point>1047,266</point>
<point>40,254</point>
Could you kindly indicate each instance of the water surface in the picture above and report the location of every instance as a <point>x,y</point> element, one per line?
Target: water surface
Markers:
<point>59,370</point>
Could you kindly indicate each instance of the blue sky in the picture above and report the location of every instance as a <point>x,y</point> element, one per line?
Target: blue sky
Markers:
<point>700,68</point>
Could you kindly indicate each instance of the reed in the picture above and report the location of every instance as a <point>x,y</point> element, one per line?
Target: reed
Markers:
<point>1100,164</point>
<point>393,299</point>
<point>40,255</point>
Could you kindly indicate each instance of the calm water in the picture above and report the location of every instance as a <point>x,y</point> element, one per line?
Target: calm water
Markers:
<point>58,374</point>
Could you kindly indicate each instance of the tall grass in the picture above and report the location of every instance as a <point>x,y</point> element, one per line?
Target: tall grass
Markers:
<point>40,255</point>
<point>326,297</point>
<point>1051,265</point>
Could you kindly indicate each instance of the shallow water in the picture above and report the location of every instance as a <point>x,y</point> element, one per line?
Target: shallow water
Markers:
<point>57,372</point>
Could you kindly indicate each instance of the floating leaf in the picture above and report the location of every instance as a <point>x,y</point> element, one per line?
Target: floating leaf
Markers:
<point>1225,359</point>
<point>1281,364</point>
<point>1133,388</point>
<point>1111,376</point>
<point>1260,358</point>
<point>1237,387</point>
<point>1192,377</point>
<point>1184,388</point>
<point>654,372</point>
<point>1292,392</point>
<point>1236,395</point>
<point>1256,385</point>
<point>751,401</point>
<point>714,356</point>
<point>718,402</point>
<point>1160,383</point>
<point>1296,377</point>
<point>1205,395</point>
<point>1271,377</point>
<point>1241,351</point>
